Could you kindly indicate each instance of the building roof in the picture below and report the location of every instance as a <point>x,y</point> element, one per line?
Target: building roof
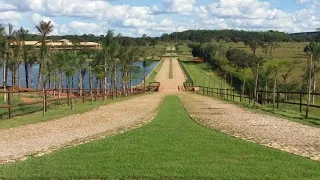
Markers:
<point>62,43</point>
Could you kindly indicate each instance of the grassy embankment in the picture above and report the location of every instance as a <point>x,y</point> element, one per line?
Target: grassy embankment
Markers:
<point>170,147</point>
<point>202,76</point>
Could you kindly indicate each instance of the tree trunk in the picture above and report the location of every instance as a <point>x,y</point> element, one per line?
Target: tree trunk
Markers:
<point>54,84</point>
<point>309,86</point>
<point>91,84</point>
<point>256,85</point>
<point>13,80</point>
<point>80,83</point>
<point>314,86</point>
<point>39,76</point>
<point>72,82</point>
<point>70,94</point>
<point>105,79</point>
<point>4,79</point>
<point>60,85</point>
<point>266,89</point>
<point>243,86</point>
<point>19,79</point>
<point>115,79</point>
<point>26,70</point>
<point>274,92</point>
<point>68,90</point>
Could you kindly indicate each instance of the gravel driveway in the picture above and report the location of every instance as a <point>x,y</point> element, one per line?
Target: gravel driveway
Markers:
<point>17,143</point>
<point>264,129</point>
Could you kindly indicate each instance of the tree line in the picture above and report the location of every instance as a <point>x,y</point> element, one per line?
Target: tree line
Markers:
<point>251,72</point>
<point>239,36</point>
<point>117,54</point>
<point>196,36</point>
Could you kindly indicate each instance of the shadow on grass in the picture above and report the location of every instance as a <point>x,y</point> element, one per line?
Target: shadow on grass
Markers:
<point>297,117</point>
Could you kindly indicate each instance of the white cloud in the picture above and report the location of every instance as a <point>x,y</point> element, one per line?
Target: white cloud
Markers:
<point>179,6</point>
<point>8,16</point>
<point>256,15</point>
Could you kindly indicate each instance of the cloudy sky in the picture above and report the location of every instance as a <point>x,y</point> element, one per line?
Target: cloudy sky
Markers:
<point>155,17</point>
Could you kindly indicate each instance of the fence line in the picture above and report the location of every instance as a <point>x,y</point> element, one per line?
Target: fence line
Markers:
<point>65,94</point>
<point>263,97</point>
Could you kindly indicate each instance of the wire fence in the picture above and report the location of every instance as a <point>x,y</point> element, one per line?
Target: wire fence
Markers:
<point>269,98</point>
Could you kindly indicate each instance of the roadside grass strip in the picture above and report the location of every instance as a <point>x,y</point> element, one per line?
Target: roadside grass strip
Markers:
<point>172,146</point>
<point>170,71</point>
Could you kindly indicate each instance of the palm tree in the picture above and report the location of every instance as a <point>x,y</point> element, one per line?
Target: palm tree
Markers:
<point>106,45</point>
<point>15,60</point>
<point>44,28</point>
<point>128,54</point>
<point>22,33</point>
<point>7,55</point>
<point>81,63</point>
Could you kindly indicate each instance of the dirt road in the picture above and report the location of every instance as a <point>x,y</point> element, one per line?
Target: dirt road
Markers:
<point>166,84</point>
<point>263,129</point>
<point>16,143</point>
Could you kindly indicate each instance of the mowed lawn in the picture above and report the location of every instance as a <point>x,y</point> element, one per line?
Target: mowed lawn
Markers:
<point>172,146</point>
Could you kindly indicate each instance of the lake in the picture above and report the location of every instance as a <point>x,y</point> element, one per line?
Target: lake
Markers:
<point>138,77</point>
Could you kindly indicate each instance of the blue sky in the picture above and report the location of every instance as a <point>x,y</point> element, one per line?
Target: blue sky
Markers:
<point>155,17</point>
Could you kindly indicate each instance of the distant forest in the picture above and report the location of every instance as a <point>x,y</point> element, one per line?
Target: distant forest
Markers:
<point>200,36</point>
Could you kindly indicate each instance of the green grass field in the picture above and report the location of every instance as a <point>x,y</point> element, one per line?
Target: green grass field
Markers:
<point>172,146</point>
<point>202,75</point>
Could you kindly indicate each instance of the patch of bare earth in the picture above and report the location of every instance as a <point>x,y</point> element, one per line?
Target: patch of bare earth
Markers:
<point>260,128</point>
<point>41,138</point>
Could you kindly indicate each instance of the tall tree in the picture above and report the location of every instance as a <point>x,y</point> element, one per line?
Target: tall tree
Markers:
<point>253,43</point>
<point>7,56</point>
<point>44,28</point>
<point>22,33</point>
<point>313,51</point>
<point>276,67</point>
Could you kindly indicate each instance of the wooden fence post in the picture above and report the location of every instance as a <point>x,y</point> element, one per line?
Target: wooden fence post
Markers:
<point>46,102</point>
<point>233,94</point>
<point>43,101</point>
<point>300,101</point>
<point>9,102</point>
<point>278,98</point>
<point>71,98</point>
<point>68,97</point>
<point>227,94</point>
<point>240,96</point>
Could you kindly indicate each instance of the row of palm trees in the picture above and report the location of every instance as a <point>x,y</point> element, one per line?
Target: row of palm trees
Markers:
<point>117,54</point>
